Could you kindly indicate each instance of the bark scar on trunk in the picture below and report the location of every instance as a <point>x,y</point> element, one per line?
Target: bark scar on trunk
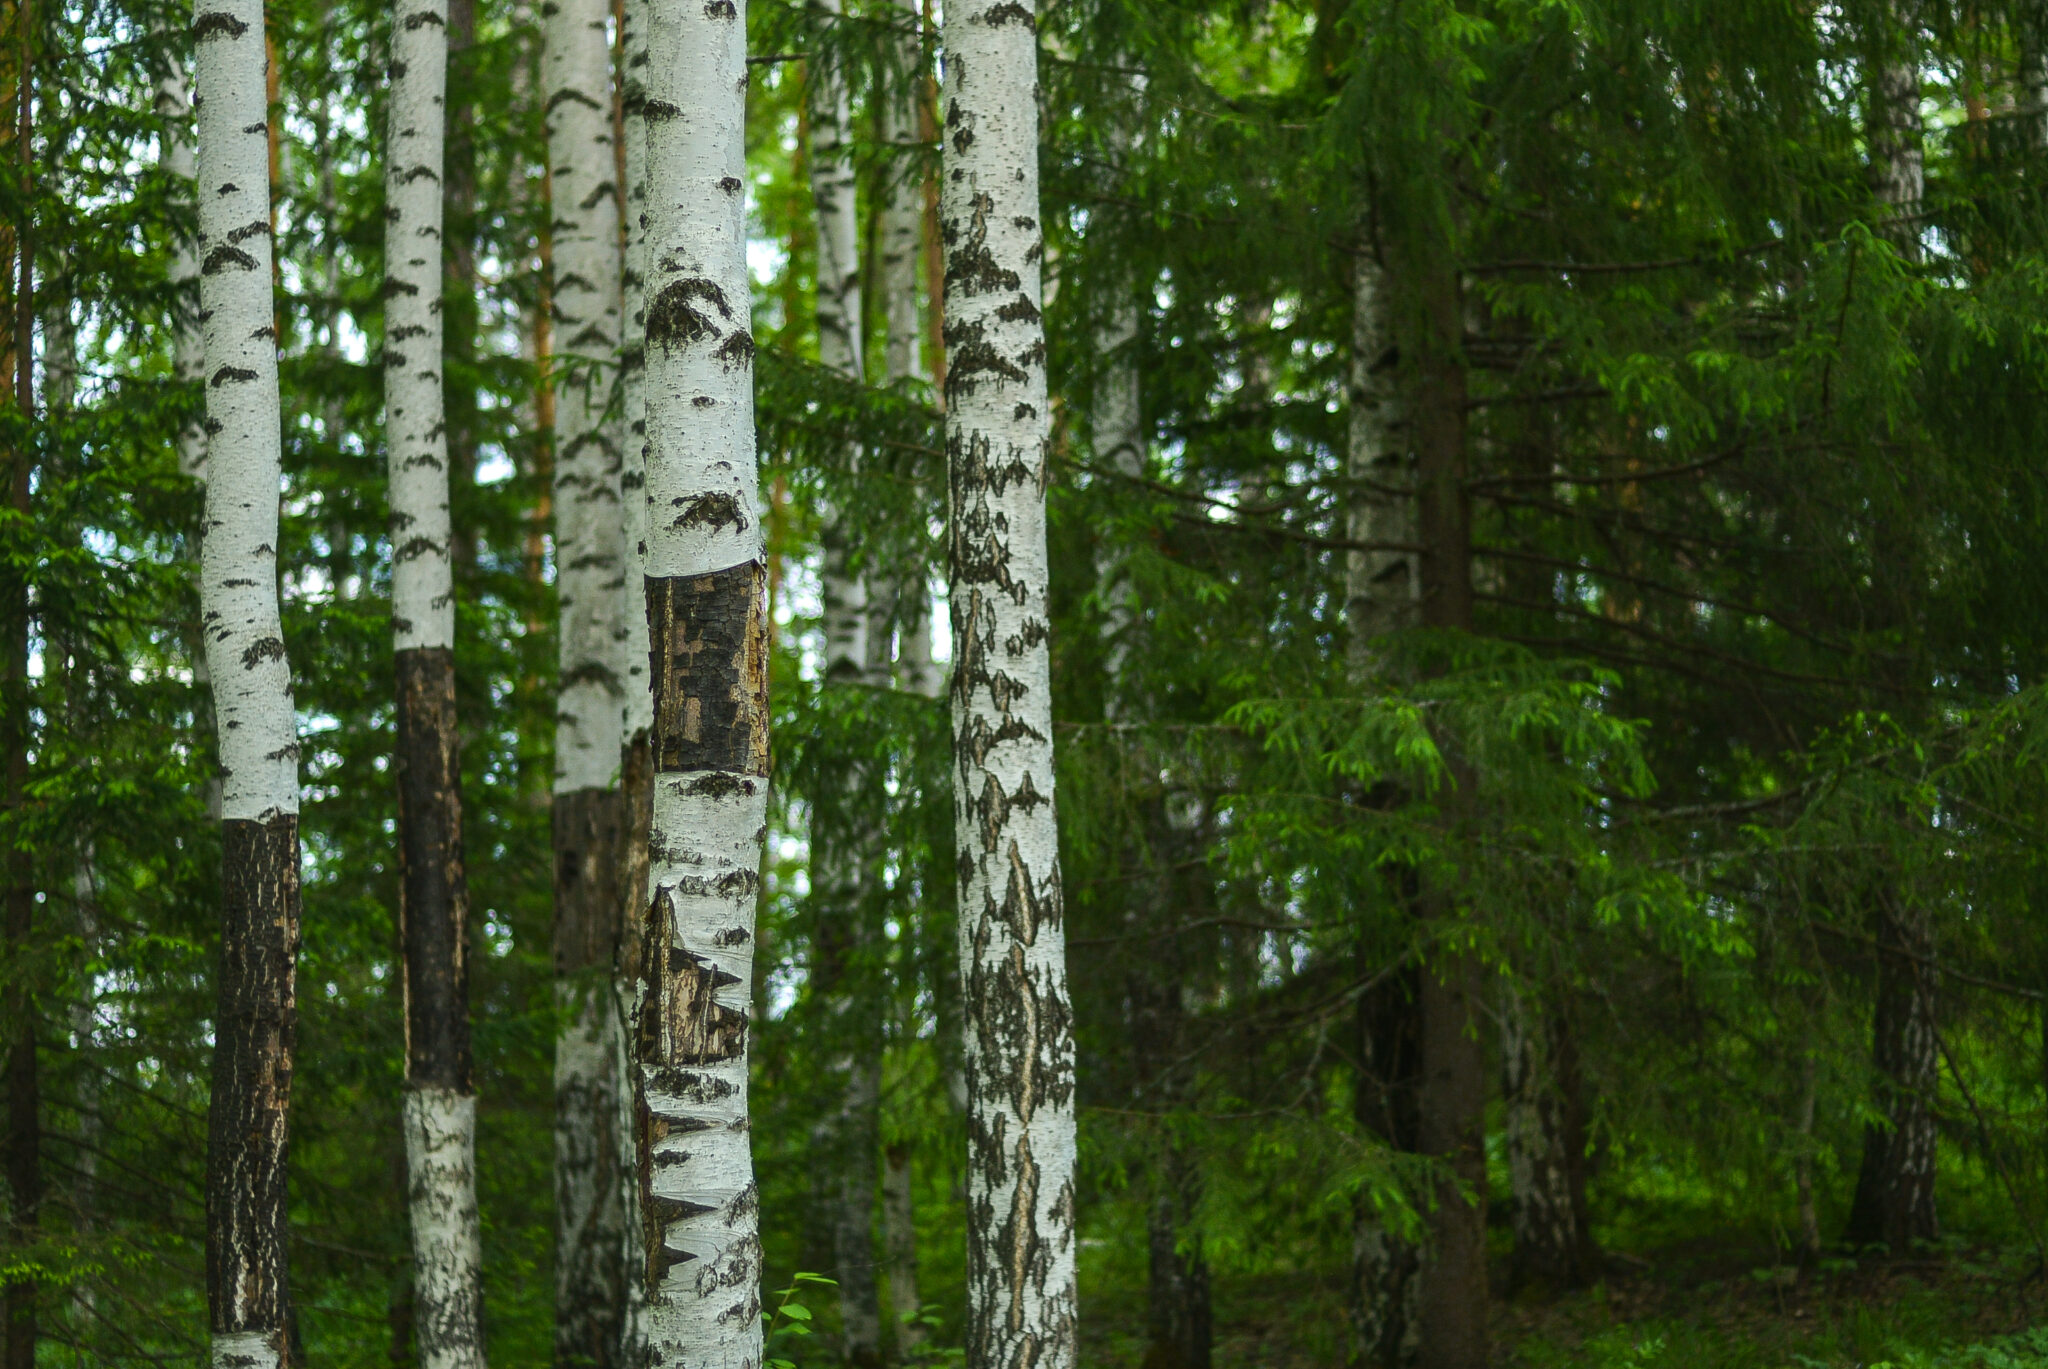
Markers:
<point>709,642</point>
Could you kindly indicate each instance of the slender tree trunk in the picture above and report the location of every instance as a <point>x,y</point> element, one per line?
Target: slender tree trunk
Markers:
<point>1021,1294</point>
<point>248,1295</point>
<point>174,107</point>
<point>705,570</point>
<point>1452,1095</point>
<point>902,213</point>
<point>440,1095</point>
<point>1809,1212</point>
<point>636,763</point>
<point>899,1230</point>
<point>1381,596</point>
<point>1546,1147</point>
<point>1894,1203</point>
<point>1897,160</point>
<point>459,309</point>
<point>24,1101</point>
<point>591,1214</point>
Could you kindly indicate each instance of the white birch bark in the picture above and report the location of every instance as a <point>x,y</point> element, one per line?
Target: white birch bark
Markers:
<point>1022,1299</point>
<point>588,523</point>
<point>244,632</point>
<point>422,574</point>
<point>902,209</point>
<point>1898,159</point>
<point>253,714</point>
<point>705,576</point>
<point>899,1227</point>
<point>1117,444</point>
<point>639,708</point>
<point>1382,587</point>
<point>173,105</point>
<point>447,1242</point>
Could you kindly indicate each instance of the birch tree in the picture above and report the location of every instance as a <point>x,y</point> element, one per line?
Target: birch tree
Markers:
<point>589,813</point>
<point>1021,1295</point>
<point>433,899</point>
<point>248,1297</point>
<point>706,568</point>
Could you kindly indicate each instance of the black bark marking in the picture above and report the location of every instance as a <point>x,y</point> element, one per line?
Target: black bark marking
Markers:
<point>266,649</point>
<point>682,1023</point>
<point>732,185</point>
<point>566,94</point>
<point>255,1032</point>
<point>215,24</point>
<point>711,512</point>
<point>721,9</point>
<point>222,257</point>
<point>231,373</point>
<point>737,350</point>
<point>672,320</point>
<point>710,671</point>
<point>422,19</point>
<point>394,287</point>
<point>433,891</point>
<point>259,228</point>
<point>1019,310</point>
<point>1010,12</point>
<point>602,191</point>
<point>655,111</point>
<point>588,832</point>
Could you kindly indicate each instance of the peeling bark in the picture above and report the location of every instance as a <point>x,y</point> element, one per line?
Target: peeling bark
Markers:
<point>254,1024</point>
<point>705,568</point>
<point>1021,1296</point>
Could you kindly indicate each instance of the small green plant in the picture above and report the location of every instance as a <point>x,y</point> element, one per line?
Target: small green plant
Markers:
<point>789,1319</point>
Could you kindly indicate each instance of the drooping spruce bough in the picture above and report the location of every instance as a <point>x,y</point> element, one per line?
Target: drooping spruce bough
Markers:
<point>247,1284</point>
<point>1021,1292</point>
<point>433,899</point>
<point>707,621</point>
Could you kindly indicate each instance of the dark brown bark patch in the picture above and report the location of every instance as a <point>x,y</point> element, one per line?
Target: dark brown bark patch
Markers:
<point>433,893</point>
<point>255,1029</point>
<point>710,671</point>
<point>681,1021</point>
<point>588,833</point>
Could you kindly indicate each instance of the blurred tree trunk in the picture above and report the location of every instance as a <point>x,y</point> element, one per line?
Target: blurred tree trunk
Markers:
<point>1546,1147</point>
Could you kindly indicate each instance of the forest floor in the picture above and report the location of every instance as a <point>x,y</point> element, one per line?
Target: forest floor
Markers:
<point>1695,1308</point>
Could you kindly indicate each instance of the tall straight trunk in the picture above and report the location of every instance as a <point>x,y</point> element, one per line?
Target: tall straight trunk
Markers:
<point>636,766</point>
<point>24,1100</point>
<point>1381,588</point>
<point>899,1240</point>
<point>902,212</point>
<point>1452,1094</point>
<point>174,107</point>
<point>458,301</point>
<point>248,1298</point>
<point>843,836</point>
<point>591,1216</point>
<point>1894,1203</point>
<point>1895,132</point>
<point>705,574</point>
<point>1546,1147</point>
<point>1021,1293</point>
<point>2032,26</point>
<point>433,898</point>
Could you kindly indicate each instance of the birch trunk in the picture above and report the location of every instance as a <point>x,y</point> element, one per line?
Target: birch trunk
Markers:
<point>433,908</point>
<point>1021,1293</point>
<point>1381,591</point>
<point>1546,1148</point>
<point>902,217</point>
<point>842,837</point>
<point>637,719</point>
<point>1894,1203</point>
<point>899,1235</point>
<point>248,1296</point>
<point>706,612</point>
<point>1895,132</point>
<point>174,107</point>
<point>591,1214</point>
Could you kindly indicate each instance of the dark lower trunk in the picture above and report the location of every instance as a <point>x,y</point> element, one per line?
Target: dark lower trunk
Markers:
<point>589,834</point>
<point>1385,1102</point>
<point>433,898</point>
<point>1894,1203</point>
<point>1546,1145</point>
<point>1452,1133</point>
<point>255,1026</point>
<point>1178,1321</point>
<point>636,768</point>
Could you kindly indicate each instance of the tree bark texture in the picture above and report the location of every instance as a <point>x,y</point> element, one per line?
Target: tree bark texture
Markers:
<point>254,1024</point>
<point>590,1102</point>
<point>592,1087</point>
<point>440,1099</point>
<point>1894,1203</point>
<point>1021,1294</point>
<point>899,1239</point>
<point>174,107</point>
<point>1385,1266</point>
<point>1452,1093</point>
<point>902,214</point>
<point>1546,1147</point>
<point>1897,157</point>
<point>707,622</point>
